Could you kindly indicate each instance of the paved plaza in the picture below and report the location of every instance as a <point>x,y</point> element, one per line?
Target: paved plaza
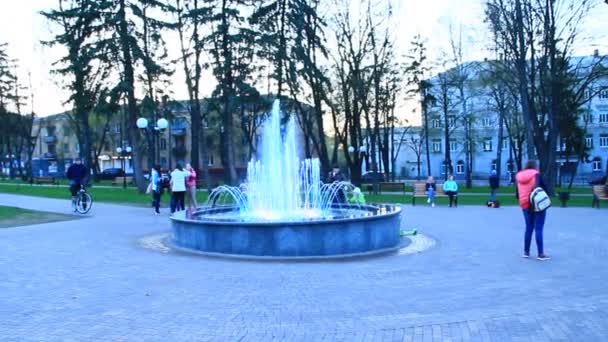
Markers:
<point>91,280</point>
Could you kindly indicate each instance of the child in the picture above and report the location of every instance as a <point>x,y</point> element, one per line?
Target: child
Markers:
<point>357,198</point>
<point>430,190</point>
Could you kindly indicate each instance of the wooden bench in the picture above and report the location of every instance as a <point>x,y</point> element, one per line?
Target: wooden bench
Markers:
<point>419,190</point>
<point>45,180</point>
<point>200,184</point>
<point>599,194</point>
<point>122,180</point>
<point>392,186</point>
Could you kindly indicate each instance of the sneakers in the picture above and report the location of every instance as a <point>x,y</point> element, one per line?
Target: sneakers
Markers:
<point>433,205</point>
<point>541,257</point>
<point>428,200</point>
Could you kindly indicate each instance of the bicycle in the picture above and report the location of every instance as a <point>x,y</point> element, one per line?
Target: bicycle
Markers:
<point>83,202</point>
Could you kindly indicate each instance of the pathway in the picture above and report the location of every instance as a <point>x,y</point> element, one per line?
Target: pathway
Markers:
<point>89,280</point>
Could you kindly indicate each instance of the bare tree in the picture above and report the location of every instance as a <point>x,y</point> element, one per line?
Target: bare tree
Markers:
<point>537,37</point>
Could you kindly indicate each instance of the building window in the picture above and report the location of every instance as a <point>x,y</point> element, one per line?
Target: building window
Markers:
<point>588,118</point>
<point>596,164</point>
<point>460,167</point>
<point>451,121</point>
<point>52,149</point>
<point>66,148</point>
<point>453,146</point>
<point>436,123</point>
<point>505,143</point>
<point>436,145</point>
<point>510,165</point>
<point>486,121</point>
<point>208,159</point>
<point>163,162</point>
<point>604,140</point>
<point>446,168</point>
<point>493,166</point>
<point>603,94</point>
<point>589,141</point>
<point>163,144</point>
<point>77,148</point>
<point>603,117</point>
<point>487,145</point>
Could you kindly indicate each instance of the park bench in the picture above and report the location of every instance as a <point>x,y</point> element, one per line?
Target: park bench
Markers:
<point>121,180</point>
<point>419,190</point>
<point>392,187</point>
<point>201,184</point>
<point>45,180</point>
<point>599,194</point>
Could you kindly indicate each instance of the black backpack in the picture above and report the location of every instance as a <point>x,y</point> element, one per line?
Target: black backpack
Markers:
<point>165,183</point>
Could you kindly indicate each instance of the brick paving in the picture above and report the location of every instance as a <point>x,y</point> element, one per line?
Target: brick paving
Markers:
<point>90,279</point>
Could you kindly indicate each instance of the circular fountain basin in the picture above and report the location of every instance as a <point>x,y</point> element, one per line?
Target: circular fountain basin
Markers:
<point>351,230</point>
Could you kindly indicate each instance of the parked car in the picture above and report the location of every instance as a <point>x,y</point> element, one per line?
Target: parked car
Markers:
<point>371,177</point>
<point>112,173</point>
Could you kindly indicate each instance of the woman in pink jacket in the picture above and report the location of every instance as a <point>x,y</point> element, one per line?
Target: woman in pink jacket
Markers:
<point>527,180</point>
<point>191,187</point>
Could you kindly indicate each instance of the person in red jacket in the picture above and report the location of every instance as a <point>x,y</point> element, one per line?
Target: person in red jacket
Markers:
<point>528,179</point>
<point>191,187</point>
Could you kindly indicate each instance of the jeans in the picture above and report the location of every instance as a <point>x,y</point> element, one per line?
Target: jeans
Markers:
<point>493,195</point>
<point>177,201</point>
<point>156,201</point>
<point>191,192</point>
<point>430,193</point>
<point>534,223</point>
<point>453,196</point>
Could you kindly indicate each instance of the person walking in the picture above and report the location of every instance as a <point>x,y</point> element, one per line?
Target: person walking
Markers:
<point>191,187</point>
<point>526,181</point>
<point>157,188</point>
<point>450,187</point>
<point>431,188</point>
<point>494,184</point>
<point>178,188</point>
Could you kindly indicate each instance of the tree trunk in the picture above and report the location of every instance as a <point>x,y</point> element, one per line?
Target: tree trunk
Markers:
<point>129,79</point>
<point>521,66</point>
<point>227,99</point>
<point>426,134</point>
<point>499,146</point>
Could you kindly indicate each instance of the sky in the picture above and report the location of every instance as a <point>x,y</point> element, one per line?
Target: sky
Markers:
<point>22,27</point>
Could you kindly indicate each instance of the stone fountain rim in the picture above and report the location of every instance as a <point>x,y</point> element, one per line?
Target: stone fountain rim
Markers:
<point>180,216</point>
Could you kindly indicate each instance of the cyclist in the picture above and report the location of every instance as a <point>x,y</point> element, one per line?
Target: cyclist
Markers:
<point>76,174</point>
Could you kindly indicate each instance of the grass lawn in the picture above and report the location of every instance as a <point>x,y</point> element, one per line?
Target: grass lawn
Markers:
<point>132,197</point>
<point>13,217</point>
<point>111,195</point>
<point>64,182</point>
<point>480,199</point>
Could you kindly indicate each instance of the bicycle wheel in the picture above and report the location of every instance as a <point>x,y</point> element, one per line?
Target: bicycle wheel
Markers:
<point>84,202</point>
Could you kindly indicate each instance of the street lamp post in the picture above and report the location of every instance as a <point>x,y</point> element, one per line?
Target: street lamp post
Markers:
<point>151,132</point>
<point>122,154</point>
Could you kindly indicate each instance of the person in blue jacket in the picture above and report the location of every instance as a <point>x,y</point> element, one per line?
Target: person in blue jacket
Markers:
<point>494,184</point>
<point>450,187</point>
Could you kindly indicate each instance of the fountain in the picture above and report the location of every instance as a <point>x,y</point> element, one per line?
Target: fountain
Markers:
<point>284,210</point>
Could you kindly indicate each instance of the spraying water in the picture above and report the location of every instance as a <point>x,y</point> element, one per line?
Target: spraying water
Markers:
<point>279,185</point>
